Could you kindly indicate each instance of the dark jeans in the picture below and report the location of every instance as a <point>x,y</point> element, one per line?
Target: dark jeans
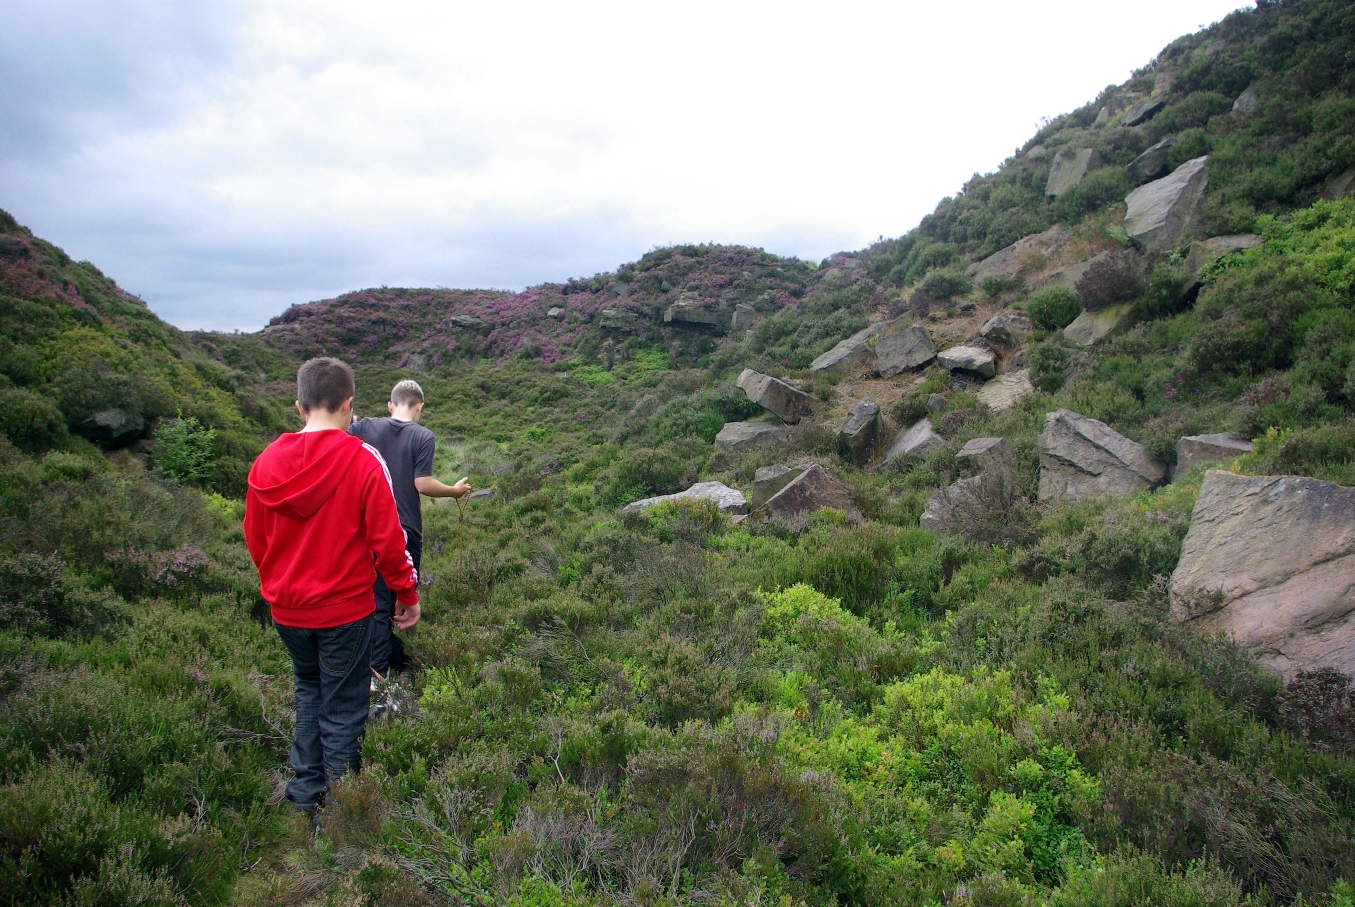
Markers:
<point>387,651</point>
<point>331,668</point>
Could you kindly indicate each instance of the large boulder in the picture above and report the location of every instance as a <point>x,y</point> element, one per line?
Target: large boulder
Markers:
<point>1011,260</point>
<point>1160,212</point>
<point>751,435</point>
<point>1090,328</point>
<point>812,490</point>
<point>851,356</point>
<point>1197,450</point>
<point>616,319</point>
<point>1204,252</point>
<point>1245,104</point>
<point>467,321</point>
<point>730,500</point>
<point>768,480</point>
<point>859,435</point>
<point>785,400</point>
<point>1005,391</point>
<point>1066,276</point>
<point>998,330</point>
<point>913,441</point>
<point>116,424</point>
<point>899,352</point>
<point>1270,560</point>
<point>1070,166</point>
<point>1152,164</point>
<point>1142,112</point>
<point>693,315</point>
<point>981,452</point>
<point>969,358</point>
<point>555,313</point>
<point>743,317</point>
<point>1084,458</point>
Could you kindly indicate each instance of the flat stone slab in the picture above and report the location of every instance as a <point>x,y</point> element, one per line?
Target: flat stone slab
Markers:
<point>812,490</point>
<point>1197,450</point>
<point>1084,458</point>
<point>1005,391</point>
<point>730,500</point>
<point>1270,560</point>
<point>851,356</point>
<point>1142,112</point>
<point>787,401</point>
<point>913,441</point>
<point>968,358</point>
<point>1090,328</point>
<point>905,350</point>
<point>1161,211</point>
<point>691,315</point>
<point>751,435</point>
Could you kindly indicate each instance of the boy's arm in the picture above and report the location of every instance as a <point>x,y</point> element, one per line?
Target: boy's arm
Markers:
<point>425,484</point>
<point>386,538</point>
<point>255,540</point>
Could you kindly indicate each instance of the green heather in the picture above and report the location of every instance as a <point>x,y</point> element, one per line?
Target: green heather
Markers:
<point>658,708</point>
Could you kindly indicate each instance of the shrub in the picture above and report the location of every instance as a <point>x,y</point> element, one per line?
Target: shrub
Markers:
<point>1053,308</point>
<point>944,285</point>
<point>183,449</point>
<point>995,286</point>
<point>30,421</point>
<point>1048,363</point>
<point>990,508</point>
<point>1251,316</point>
<point>1163,294</point>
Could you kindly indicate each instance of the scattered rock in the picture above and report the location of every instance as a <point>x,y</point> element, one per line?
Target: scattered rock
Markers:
<point>936,403</point>
<point>1204,252</point>
<point>1245,105</point>
<point>899,352</point>
<point>969,358</point>
<point>768,480</point>
<point>914,441</point>
<point>1152,164</point>
<point>690,314</point>
<point>1196,450</point>
<point>1084,458</point>
<point>616,319</point>
<point>850,356</point>
<point>730,500</point>
<point>1090,328</point>
<point>1161,211</point>
<point>1070,166</point>
<point>1006,391</point>
<point>751,435</point>
<point>481,494</point>
<point>467,321</point>
<point>555,313</point>
<point>997,330</point>
<point>1339,186</point>
<point>1142,112</point>
<point>861,432</point>
<point>1270,560</point>
<point>982,451</point>
<point>787,401</point>
<point>812,490</point>
<point>115,424</point>
<point>743,317</point>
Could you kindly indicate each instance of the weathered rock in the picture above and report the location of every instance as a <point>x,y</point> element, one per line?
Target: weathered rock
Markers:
<point>690,314</point>
<point>997,330</point>
<point>1009,261</point>
<point>1005,391</point>
<point>467,321</point>
<point>751,435</point>
<point>1066,276</point>
<point>812,490</point>
<point>616,319</point>
<point>1340,186</point>
<point>1245,105</point>
<point>859,435</point>
<point>1102,116</point>
<point>913,441</point>
<point>768,480</point>
<point>115,424</point>
<point>1196,450</point>
<point>1142,112</point>
<point>983,451</point>
<point>907,349</point>
<point>1084,458</point>
<point>1161,211</point>
<point>850,356</point>
<point>555,313</point>
<point>1090,328</point>
<point>785,400</point>
<point>1270,560</point>
<point>936,403</point>
<point>969,358</point>
<point>730,500</point>
<point>481,494</point>
<point>1152,164</point>
<point>743,317</point>
<point>1070,166</point>
<point>1204,252</point>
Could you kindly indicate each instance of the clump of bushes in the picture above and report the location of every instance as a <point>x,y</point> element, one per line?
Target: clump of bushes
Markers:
<point>945,285</point>
<point>1053,308</point>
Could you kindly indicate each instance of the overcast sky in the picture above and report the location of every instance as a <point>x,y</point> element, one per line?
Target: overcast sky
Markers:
<point>224,160</point>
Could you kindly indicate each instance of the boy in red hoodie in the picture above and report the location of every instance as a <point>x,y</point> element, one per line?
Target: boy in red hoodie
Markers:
<point>319,513</point>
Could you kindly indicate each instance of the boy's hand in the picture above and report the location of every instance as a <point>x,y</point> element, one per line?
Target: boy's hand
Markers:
<point>406,616</point>
<point>462,488</point>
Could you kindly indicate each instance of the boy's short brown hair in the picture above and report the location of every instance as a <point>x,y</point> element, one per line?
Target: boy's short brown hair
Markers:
<point>324,382</point>
<point>406,393</point>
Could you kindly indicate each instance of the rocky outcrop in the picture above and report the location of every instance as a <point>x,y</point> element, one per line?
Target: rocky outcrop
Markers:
<point>1090,328</point>
<point>859,435</point>
<point>1070,166</point>
<point>751,435</point>
<point>117,424</point>
<point>768,480</point>
<point>1142,112</point>
<point>969,358</point>
<point>785,400</point>
<point>1270,560</point>
<point>914,441</point>
<point>1005,391</point>
<point>850,356</point>
<point>470,322</point>
<point>1197,450</point>
<point>693,315</point>
<point>1160,212</point>
<point>555,313</point>
<point>1084,458</point>
<point>1011,260</point>
<point>907,349</point>
<point>998,330</point>
<point>982,451</point>
<point>1152,164</point>
<point>812,490</point>
<point>616,319</point>
<point>730,500</point>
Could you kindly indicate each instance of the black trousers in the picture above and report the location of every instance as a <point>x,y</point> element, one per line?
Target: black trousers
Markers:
<point>388,653</point>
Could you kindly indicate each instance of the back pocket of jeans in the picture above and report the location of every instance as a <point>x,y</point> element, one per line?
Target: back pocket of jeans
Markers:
<point>341,646</point>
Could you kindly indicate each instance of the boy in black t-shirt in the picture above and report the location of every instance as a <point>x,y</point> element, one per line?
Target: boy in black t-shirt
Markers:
<point>407,447</point>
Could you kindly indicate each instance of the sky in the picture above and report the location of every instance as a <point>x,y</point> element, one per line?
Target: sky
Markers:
<point>225,160</point>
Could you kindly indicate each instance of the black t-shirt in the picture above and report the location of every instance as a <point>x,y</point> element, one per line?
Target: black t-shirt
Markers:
<point>407,448</point>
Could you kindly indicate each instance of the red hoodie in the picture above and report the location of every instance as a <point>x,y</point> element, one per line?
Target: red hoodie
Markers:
<point>319,506</point>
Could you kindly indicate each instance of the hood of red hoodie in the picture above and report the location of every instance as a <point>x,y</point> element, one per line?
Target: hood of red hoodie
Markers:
<point>299,472</point>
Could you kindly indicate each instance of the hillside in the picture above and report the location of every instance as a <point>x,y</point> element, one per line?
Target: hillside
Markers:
<point>969,657</point>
